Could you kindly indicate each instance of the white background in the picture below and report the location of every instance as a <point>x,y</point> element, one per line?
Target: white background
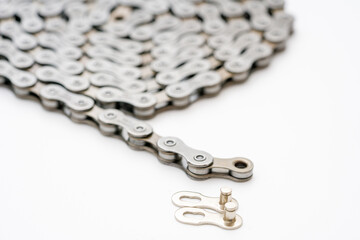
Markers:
<point>298,120</point>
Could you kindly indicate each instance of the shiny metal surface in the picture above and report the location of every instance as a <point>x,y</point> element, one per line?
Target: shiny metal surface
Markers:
<point>193,207</point>
<point>101,61</point>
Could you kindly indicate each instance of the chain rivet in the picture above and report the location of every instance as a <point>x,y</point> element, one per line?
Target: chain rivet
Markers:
<point>110,115</point>
<point>140,128</point>
<point>200,158</point>
<point>170,143</point>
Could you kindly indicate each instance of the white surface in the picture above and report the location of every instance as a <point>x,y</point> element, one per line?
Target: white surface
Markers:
<point>298,120</point>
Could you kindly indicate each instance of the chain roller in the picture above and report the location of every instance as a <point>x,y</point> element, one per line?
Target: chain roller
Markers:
<point>20,80</point>
<point>22,40</point>
<point>30,20</point>
<point>49,57</point>
<point>60,45</point>
<point>188,69</point>
<point>120,58</point>
<point>16,57</point>
<point>106,80</point>
<point>102,65</point>
<point>73,83</point>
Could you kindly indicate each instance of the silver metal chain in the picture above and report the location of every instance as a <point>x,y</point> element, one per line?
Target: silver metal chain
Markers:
<point>101,61</point>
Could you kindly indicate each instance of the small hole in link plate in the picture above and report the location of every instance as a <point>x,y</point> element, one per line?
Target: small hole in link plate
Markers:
<point>240,164</point>
<point>197,215</point>
<point>191,199</point>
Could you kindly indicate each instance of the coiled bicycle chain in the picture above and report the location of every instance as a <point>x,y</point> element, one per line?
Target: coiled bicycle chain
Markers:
<point>97,60</point>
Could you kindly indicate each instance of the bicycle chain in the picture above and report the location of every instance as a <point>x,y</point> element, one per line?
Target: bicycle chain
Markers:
<point>95,60</point>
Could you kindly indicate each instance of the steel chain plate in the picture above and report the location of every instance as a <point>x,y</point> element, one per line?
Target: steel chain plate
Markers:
<point>96,60</point>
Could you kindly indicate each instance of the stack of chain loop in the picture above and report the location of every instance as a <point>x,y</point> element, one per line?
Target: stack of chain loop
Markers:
<point>97,60</point>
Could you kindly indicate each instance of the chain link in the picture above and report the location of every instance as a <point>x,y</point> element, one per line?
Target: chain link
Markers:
<point>97,60</point>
